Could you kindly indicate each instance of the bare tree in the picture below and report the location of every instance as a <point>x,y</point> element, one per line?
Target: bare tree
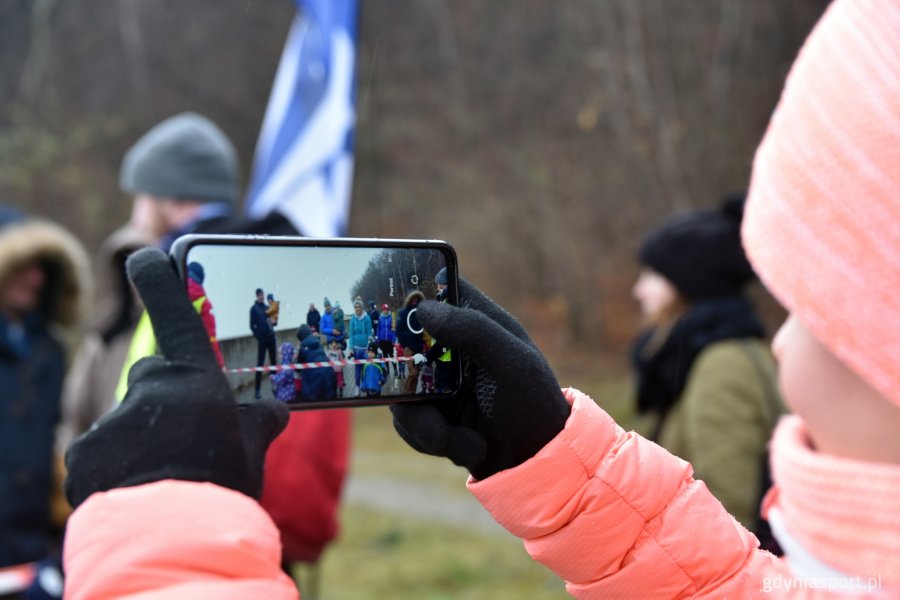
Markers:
<point>541,138</point>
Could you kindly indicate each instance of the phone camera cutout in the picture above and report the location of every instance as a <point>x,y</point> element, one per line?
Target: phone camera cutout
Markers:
<point>409,325</point>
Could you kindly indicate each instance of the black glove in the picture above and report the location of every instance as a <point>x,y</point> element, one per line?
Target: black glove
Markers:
<point>510,405</point>
<point>179,419</point>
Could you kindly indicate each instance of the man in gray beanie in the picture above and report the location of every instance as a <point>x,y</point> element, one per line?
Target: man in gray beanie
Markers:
<point>184,176</point>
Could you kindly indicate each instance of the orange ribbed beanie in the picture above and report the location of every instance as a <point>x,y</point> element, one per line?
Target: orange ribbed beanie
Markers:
<point>822,222</point>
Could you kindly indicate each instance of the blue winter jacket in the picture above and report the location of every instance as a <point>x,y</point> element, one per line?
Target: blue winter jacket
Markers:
<point>360,330</point>
<point>386,328</point>
<point>373,378</point>
<point>328,327</point>
<point>31,379</point>
<point>319,383</point>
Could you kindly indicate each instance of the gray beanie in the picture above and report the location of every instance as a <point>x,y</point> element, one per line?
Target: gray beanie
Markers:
<point>184,157</point>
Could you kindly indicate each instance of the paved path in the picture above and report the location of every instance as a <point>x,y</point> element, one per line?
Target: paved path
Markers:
<point>419,501</point>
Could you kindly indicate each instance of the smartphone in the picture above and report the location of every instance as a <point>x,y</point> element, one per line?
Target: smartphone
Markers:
<point>323,323</point>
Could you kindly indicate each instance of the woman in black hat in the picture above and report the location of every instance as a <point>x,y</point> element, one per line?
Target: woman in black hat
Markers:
<point>703,366</point>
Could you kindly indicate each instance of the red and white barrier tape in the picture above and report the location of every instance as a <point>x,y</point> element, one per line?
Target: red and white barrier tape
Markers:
<point>17,579</point>
<point>317,365</point>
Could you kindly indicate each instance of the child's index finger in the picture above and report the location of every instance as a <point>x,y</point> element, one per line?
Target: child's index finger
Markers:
<point>179,332</point>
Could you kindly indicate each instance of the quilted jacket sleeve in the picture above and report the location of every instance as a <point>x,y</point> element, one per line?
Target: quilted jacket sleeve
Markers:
<point>172,540</point>
<point>617,516</point>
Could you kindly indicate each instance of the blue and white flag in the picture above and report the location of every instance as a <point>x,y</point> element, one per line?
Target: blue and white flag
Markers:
<point>303,166</point>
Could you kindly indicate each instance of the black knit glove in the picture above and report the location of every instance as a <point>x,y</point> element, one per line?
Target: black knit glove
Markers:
<point>510,405</point>
<point>179,419</point>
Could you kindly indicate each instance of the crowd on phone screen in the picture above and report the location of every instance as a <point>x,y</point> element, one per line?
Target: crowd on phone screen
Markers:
<point>372,351</point>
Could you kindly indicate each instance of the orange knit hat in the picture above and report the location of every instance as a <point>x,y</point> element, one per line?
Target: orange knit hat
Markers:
<point>822,222</point>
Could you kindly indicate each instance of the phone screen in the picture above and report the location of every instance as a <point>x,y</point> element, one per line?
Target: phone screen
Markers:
<point>323,323</point>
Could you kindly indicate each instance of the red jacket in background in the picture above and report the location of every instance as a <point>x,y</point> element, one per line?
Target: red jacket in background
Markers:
<point>204,308</point>
<point>305,470</point>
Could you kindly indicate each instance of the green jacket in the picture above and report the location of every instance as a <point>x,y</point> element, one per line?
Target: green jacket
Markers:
<point>723,422</point>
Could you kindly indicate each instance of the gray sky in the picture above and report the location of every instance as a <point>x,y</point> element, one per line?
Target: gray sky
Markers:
<point>296,275</point>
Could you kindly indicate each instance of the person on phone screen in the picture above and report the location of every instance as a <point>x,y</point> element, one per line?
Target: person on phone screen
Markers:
<point>445,368</point>
<point>313,318</point>
<point>373,316</point>
<point>273,307</point>
<point>197,296</point>
<point>327,321</point>
<point>283,387</point>
<point>319,383</point>
<point>330,324</point>
<point>384,334</point>
<point>339,325</point>
<point>337,358</point>
<point>360,332</point>
<point>409,336</point>
<point>373,375</point>
<point>265,337</point>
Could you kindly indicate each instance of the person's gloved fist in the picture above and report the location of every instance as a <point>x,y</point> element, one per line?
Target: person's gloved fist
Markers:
<point>510,405</point>
<point>419,358</point>
<point>179,419</point>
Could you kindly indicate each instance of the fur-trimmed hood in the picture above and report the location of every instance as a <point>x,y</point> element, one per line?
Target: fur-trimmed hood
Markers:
<point>413,295</point>
<point>68,286</point>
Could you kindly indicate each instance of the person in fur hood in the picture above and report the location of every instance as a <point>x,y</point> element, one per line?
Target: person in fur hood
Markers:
<point>44,276</point>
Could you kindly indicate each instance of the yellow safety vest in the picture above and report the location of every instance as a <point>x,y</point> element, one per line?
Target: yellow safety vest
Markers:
<point>445,357</point>
<point>143,344</point>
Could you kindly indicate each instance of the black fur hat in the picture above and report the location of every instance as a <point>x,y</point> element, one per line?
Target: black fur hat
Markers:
<point>700,251</point>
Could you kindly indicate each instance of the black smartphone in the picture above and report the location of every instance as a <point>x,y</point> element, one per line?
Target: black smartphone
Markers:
<point>323,323</point>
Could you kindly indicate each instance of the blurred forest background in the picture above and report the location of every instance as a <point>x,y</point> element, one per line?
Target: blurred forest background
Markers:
<point>542,139</point>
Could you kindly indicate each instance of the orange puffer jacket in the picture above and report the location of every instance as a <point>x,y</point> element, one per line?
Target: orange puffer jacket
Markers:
<point>173,540</point>
<point>617,516</point>
<point>613,514</point>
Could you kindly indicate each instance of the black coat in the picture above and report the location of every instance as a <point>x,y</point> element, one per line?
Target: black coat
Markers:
<point>406,337</point>
<point>259,323</point>
<point>446,373</point>
<point>272,224</point>
<point>319,383</point>
<point>313,318</point>
<point>374,315</point>
<point>29,412</point>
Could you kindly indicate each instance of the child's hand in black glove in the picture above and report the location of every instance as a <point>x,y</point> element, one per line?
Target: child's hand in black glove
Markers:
<point>510,405</point>
<point>179,419</point>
